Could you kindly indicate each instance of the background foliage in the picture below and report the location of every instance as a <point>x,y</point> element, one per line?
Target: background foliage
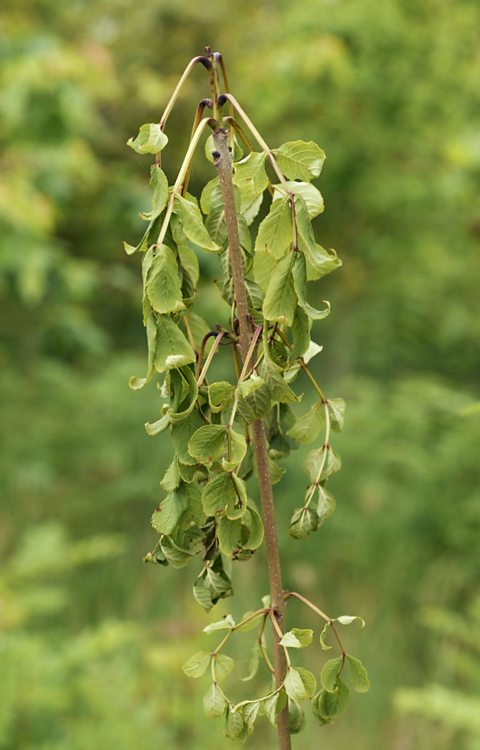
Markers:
<point>91,640</point>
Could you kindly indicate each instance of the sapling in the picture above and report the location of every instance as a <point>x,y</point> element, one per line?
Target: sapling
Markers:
<point>228,436</point>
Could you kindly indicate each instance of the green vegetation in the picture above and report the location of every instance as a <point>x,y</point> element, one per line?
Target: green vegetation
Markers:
<point>95,640</point>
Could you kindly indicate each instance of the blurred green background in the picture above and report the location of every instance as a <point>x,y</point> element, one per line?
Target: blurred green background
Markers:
<point>92,640</point>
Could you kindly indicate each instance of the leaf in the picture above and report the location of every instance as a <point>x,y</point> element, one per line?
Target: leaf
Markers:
<point>181,434</point>
<point>336,408</point>
<point>150,139</point>
<point>307,427</point>
<point>229,534</point>
<point>214,703</point>
<point>330,673</point>
<point>310,194</point>
<point>155,428</point>
<point>192,224</point>
<point>325,506</point>
<point>272,706</point>
<point>253,522</point>
<point>236,450</point>
<point>263,265</point>
<point>254,398</point>
<point>226,623</point>
<point>299,272</point>
<point>234,724</point>
<point>135,383</point>
<point>163,282</point>
<point>296,717</point>
<point>303,522</point>
<point>219,395</point>
<point>169,513</point>
<point>171,478</point>
<point>223,666</point>
<point>280,300</point>
<point>159,185</point>
<point>197,665</point>
<point>299,683</point>
<point>358,675</point>
<point>189,262</point>
<point>275,233</point>
<point>208,443</point>
<point>300,337</point>
<point>250,177</point>
<point>218,493</point>
<point>144,242</point>
<point>329,705</point>
<point>297,638</point>
<point>172,349</point>
<point>250,713</point>
<point>323,637</point>
<point>300,160</point>
<point>315,461</point>
<point>348,619</point>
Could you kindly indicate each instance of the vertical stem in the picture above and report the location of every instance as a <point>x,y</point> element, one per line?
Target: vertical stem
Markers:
<point>223,162</point>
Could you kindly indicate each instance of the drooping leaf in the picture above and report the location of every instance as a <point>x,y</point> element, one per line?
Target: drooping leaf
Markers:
<point>223,666</point>
<point>322,463</point>
<point>303,522</point>
<point>336,408</point>
<point>251,179</point>
<point>323,637</point>
<point>169,512</point>
<point>299,683</point>
<point>297,638</point>
<point>300,160</point>
<point>234,724</point>
<point>349,619</point>
<point>250,713</point>
<point>280,300</point>
<point>155,428</point>
<point>208,443</point>
<point>296,716</point>
<point>192,224</point>
<point>235,451</point>
<point>263,265</point>
<point>253,664</point>
<point>197,665</point>
<point>150,139</point>
<point>219,395</point>
<point>159,185</point>
<point>225,493</point>
<point>328,705</point>
<point>310,194</point>
<point>171,478</point>
<point>308,427</point>
<point>226,623</point>
<point>181,434</point>
<point>229,534</point>
<point>358,675</point>
<point>326,505</point>
<point>253,522</point>
<point>275,233</point>
<point>254,398</point>
<point>299,272</point>
<point>214,703</point>
<point>330,673</point>
<point>163,282</point>
<point>172,348</point>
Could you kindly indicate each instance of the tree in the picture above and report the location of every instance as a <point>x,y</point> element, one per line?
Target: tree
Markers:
<point>223,431</point>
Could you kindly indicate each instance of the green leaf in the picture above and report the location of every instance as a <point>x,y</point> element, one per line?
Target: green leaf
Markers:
<point>142,246</point>
<point>150,139</point>
<point>328,705</point>
<point>214,703</point>
<point>172,349</point>
<point>219,395</point>
<point>238,449</point>
<point>315,461</point>
<point>192,224</point>
<point>223,666</point>
<point>275,233</point>
<point>358,675</point>
<point>250,177</point>
<point>300,160</point>
<point>197,665</point>
<point>300,337</point>
<point>280,299</point>
<point>300,684</point>
<point>348,619</point>
<point>250,713</point>
<point>181,434</point>
<point>297,638</point>
<point>226,623</point>
<point>323,637</point>
<point>272,706</point>
<point>171,478</point>
<point>189,262</point>
<point>254,398</point>
<point>307,427</point>
<point>325,505</point>
<point>263,265</point>
<point>159,185</point>
<point>169,512</point>
<point>253,522</point>
<point>300,284</point>
<point>135,383</point>
<point>207,444</point>
<point>336,409</point>
<point>155,428</point>
<point>225,493</point>
<point>229,534</point>
<point>234,724</point>
<point>330,673</point>
<point>310,194</point>
<point>163,282</point>
<point>296,716</point>
<point>303,522</point>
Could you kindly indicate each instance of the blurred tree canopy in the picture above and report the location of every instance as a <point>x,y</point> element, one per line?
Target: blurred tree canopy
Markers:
<point>390,91</point>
